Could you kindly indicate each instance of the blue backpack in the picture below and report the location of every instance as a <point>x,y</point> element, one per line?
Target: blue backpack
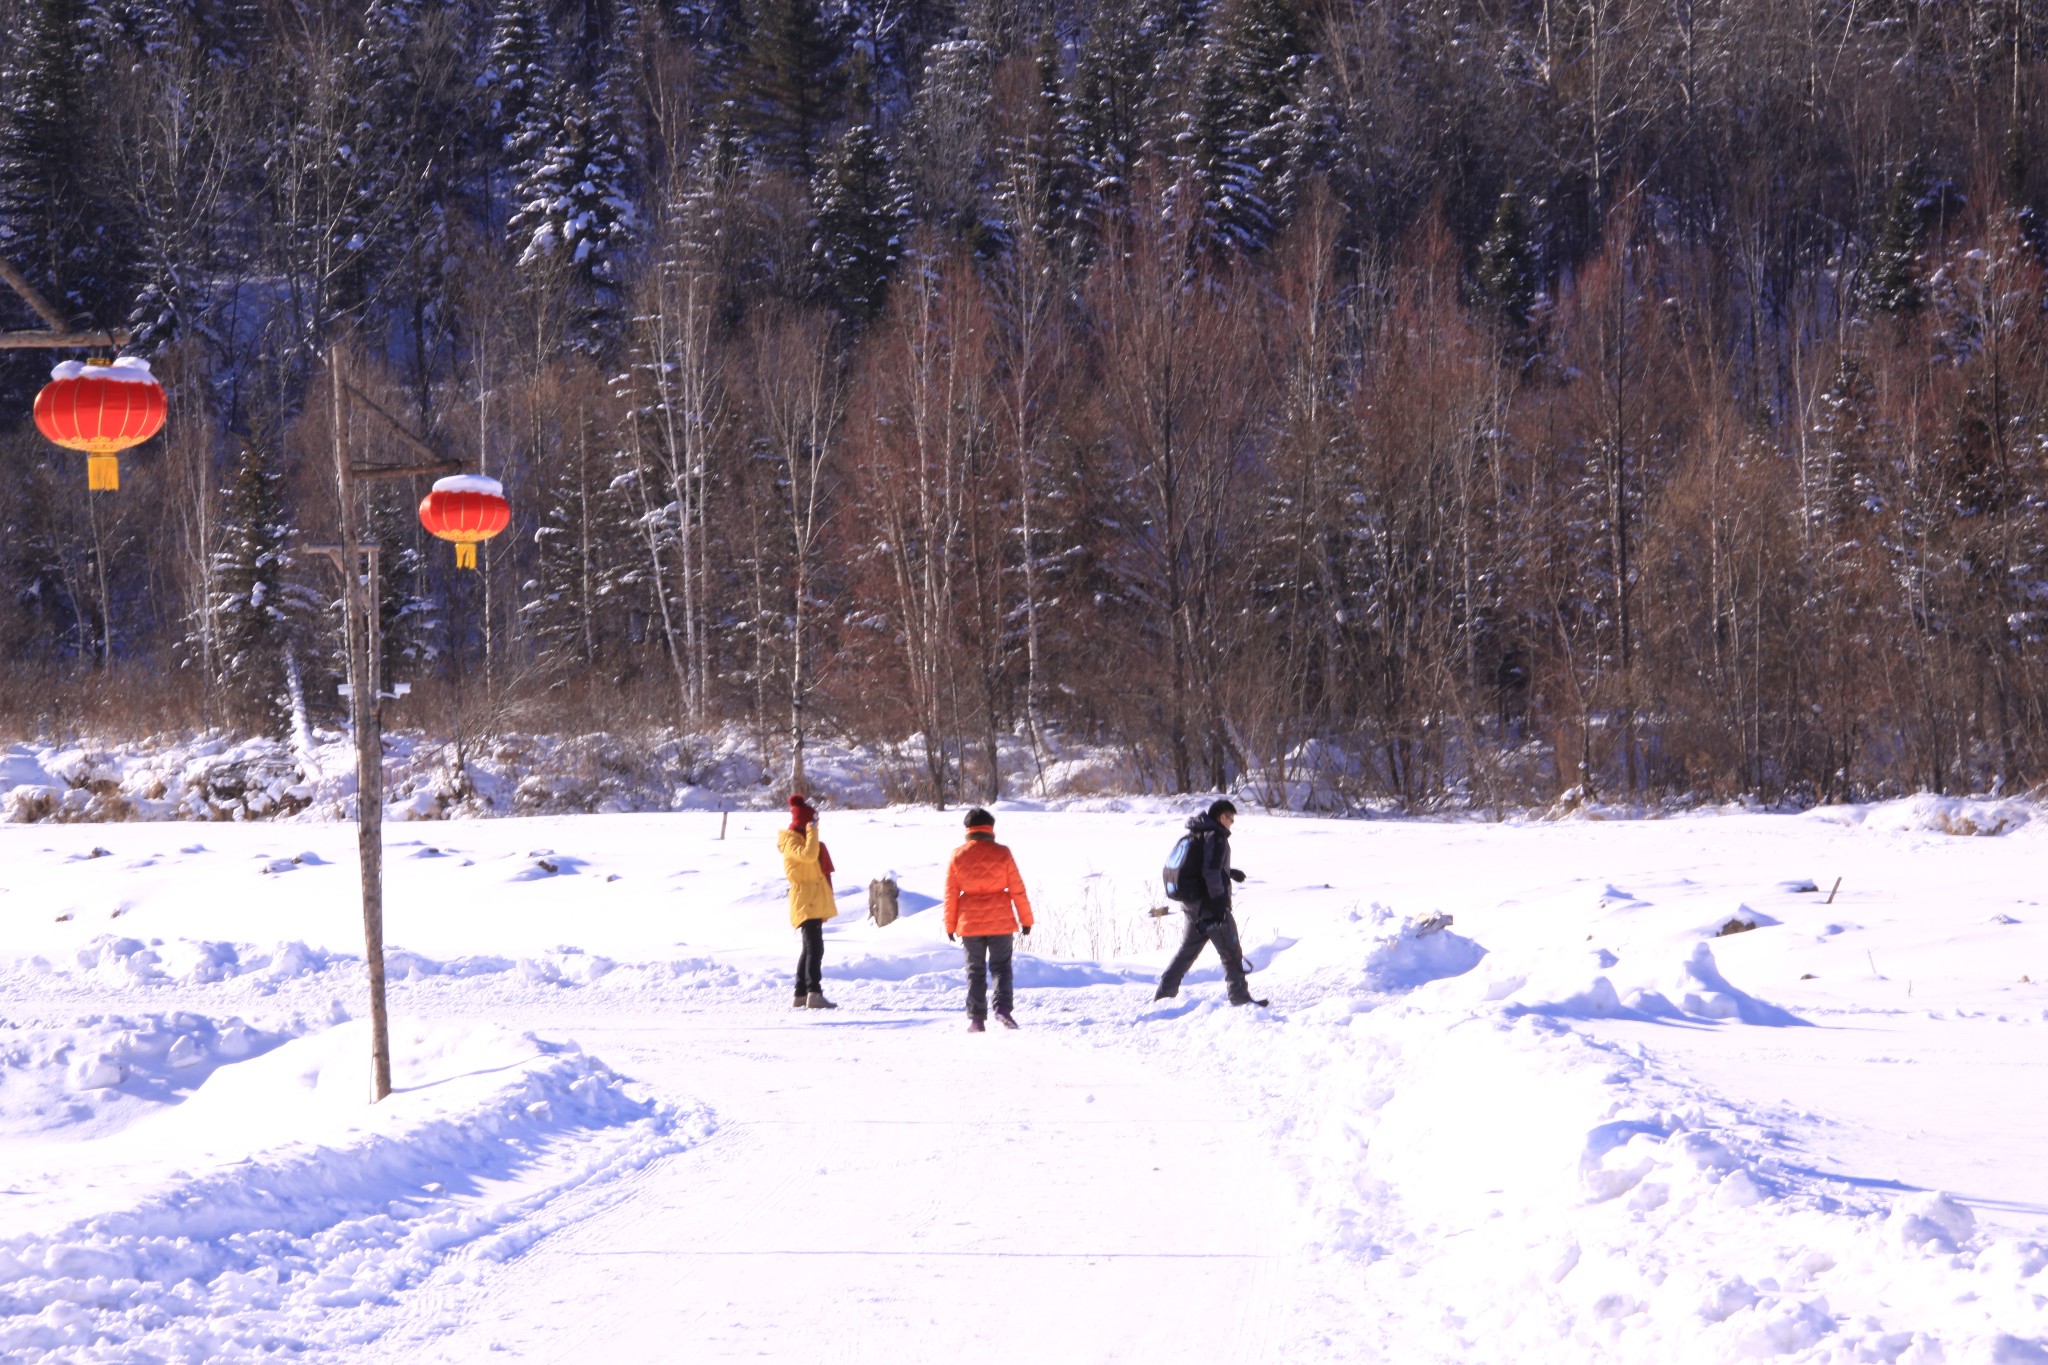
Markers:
<point>1183,871</point>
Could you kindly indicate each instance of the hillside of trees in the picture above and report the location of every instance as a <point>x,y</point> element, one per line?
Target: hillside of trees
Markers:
<point>1452,402</point>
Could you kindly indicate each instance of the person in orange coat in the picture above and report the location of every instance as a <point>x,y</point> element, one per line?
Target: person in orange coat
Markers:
<point>985,904</point>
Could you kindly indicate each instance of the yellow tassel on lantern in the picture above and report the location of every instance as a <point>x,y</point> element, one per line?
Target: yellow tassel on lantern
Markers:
<point>102,472</point>
<point>465,555</point>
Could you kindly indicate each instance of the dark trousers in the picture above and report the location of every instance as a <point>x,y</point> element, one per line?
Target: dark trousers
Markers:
<point>1208,923</point>
<point>810,963</point>
<point>987,953</point>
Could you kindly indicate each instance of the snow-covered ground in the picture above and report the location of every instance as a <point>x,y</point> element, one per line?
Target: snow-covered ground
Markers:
<point>1582,1122</point>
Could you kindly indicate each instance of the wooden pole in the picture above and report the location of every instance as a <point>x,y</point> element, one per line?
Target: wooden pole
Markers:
<point>369,705</point>
<point>359,590</point>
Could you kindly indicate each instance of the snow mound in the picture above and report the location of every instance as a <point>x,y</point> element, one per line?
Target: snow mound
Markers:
<point>335,1206</point>
<point>1416,953</point>
<point>107,1070</point>
<point>1699,991</point>
<point>1932,1220</point>
<point>19,768</point>
<point>1961,816</point>
<point>1569,984</point>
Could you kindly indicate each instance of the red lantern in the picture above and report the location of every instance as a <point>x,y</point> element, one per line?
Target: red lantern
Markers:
<point>101,409</point>
<point>465,509</point>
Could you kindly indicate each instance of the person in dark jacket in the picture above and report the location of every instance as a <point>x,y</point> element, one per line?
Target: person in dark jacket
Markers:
<point>1210,919</point>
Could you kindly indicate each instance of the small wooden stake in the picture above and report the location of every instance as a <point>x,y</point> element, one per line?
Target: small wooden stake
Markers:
<point>1831,892</point>
<point>721,823</point>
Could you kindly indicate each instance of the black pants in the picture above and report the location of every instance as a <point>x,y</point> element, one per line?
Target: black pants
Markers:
<point>987,953</point>
<point>810,963</point>
<point>1208,924</point>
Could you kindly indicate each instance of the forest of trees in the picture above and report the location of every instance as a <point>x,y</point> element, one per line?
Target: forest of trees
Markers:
<point>1446,401</point>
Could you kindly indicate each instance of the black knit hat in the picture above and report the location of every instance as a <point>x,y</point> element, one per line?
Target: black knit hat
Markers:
<point>1221,806</point>
<point>978,816</point>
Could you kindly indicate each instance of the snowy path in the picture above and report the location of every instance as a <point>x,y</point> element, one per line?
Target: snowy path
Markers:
<point>894,1189</point>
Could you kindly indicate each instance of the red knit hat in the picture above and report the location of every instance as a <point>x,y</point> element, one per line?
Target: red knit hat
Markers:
<point>801,811</point>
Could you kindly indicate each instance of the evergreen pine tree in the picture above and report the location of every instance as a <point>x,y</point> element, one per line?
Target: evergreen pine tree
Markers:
<point>857,231</point>
<point>259,614</point>
<point>56,224</point>
<point>1264,58</point>
<point>1242,123</point>
<point>1208,152</point>
<point>517,76</point>
<point>1891,277</point>
<point>1507,276</point>
<point>1313,136</point>
<point>790,80</point>
<point>1108,121</point>
<point>576,212</point>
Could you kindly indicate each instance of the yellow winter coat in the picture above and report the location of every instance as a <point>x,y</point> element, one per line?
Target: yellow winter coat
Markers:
<point>810,895</point>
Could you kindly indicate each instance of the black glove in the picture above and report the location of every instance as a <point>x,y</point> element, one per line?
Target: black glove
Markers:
<point>1236,875</point>
<point>952,938</point>
<point>1027,931</point>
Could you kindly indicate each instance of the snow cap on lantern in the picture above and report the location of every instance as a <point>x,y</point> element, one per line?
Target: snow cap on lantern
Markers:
<point>101,409</point>
<point>465,509</point>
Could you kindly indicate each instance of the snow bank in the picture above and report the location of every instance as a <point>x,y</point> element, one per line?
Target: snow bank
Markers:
<point>1660,982</point>
<point>1961,816</point>
<point>217,777</point>
<point>1515,1190</point>
<point>110,959</point>
<point>104,1071</point>
<point>488,1136</point>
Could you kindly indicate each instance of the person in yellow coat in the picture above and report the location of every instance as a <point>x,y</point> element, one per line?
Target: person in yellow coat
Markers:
<point>808,866</point>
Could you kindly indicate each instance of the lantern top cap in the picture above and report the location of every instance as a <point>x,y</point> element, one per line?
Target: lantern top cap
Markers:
<point>129,369</point>
<point>469,483</point>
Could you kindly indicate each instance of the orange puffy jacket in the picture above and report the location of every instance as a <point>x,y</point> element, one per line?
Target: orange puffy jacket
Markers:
<point>982,886</point>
